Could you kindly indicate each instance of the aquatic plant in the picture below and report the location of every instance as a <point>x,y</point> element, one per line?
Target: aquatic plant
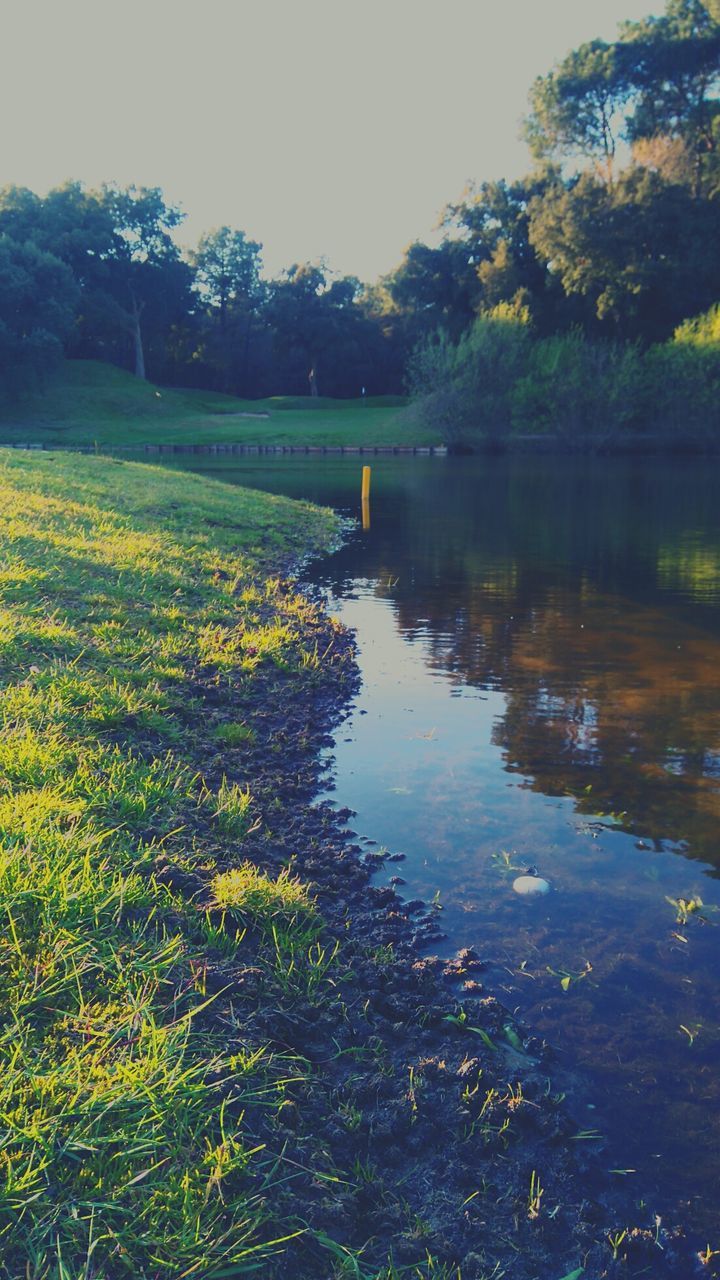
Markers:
<point>535,1196</point>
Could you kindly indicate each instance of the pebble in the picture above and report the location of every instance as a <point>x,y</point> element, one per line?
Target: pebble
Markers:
<point>530,886</point>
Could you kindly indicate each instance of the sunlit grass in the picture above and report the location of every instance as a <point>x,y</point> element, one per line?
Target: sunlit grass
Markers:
<point>266,900</point>
<point>127,1142</point>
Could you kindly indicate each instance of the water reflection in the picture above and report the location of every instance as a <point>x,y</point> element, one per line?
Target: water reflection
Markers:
<point>541,657</point>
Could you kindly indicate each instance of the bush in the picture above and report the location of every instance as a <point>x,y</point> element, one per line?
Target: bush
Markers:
<point>682,393</point>
<point>465,389</point>
<point>498,382</point>
<point>584,393</point>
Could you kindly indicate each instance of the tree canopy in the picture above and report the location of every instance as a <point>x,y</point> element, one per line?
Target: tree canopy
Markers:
<point>615,232</point>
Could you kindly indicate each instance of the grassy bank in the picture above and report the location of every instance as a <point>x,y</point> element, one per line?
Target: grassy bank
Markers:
<point>124,1149</point>
<point>221,1051</point>
<point>92,403</point>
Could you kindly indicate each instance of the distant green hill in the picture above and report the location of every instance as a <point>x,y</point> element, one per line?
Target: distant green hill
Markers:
<point>95,403</point>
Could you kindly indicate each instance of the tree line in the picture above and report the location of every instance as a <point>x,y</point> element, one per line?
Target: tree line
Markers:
<point>613,237</point>
<point>99,275</point>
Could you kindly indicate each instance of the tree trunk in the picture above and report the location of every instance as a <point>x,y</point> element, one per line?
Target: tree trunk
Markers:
<point>137,310</point>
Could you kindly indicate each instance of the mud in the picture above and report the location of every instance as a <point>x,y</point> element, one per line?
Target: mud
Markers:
<point>431,1130</point>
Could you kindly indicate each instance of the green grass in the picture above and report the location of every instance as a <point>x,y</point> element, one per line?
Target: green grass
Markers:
<point>130,1097</point>
<point>90,403</point>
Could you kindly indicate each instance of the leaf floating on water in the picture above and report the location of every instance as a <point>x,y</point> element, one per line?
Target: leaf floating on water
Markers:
<point>567,977</point>
<point>574,1275</point>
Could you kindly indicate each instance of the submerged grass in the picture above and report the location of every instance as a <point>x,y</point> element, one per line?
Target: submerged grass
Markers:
<point>126,1142</point>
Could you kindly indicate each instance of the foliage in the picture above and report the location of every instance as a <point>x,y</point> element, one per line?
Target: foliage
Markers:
<point>644,252</point>
<point>574,108</point>
<point>615,232</point>
<point>701,331</point>
<point>466,388</point>
<point>38,296</point>
<point>580,392</point>
<point>663,73</point>
<point>629,253</point>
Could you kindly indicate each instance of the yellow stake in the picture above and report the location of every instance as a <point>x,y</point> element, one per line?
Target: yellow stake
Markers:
<point>365,483</point>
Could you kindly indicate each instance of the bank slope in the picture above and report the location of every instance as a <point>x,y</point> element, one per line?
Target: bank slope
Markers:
<point>90,403</point>
<point>220,1051</point>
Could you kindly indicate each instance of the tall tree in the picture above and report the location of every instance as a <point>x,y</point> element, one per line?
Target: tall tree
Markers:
<point>117,244</point>
<point>437,286</point>
<point>575,109</point>
<point>227,269</point>
<point>147,279</point>
<point>673,65</point>
<point>227,278</point>
<point>660,78</point>
<point>645,253</point>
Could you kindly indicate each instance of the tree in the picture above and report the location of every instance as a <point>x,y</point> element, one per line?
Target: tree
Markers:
<point>148,283</point>
<point>117,244</point>
<point>436,286</point>
<point>323,336</point>
<point>644,252</point>
<point>673,65</point>
<point>227,278</point>
<point>659,79</point>
<point>493,223</point>
<point>38,299</point>
<point>575,108</point>
<point>227,269</point>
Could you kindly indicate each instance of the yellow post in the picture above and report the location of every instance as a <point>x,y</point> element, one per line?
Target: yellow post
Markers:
<point>366,513</point>
<point>365,483</point>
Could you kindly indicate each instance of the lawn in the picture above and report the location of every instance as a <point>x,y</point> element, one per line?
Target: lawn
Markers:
<point>90,403</point>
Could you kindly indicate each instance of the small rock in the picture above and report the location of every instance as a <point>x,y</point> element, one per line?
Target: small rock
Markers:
<point>531,886</point>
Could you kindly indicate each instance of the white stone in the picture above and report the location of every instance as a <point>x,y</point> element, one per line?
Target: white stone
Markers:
<point>530,886</point>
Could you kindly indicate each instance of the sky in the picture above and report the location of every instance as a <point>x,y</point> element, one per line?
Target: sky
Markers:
<point>325,129</point>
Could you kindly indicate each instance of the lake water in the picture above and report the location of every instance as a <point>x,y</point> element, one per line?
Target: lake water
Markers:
<point>540,649</point>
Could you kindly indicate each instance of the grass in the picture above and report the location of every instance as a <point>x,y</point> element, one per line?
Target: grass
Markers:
<point>128,1143</point>
<point>96,404</point>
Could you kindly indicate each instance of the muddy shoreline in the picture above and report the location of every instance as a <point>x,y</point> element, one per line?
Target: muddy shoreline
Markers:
<point>429,1130</point>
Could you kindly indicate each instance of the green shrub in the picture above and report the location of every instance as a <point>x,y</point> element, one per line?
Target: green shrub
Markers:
<point>581,392</point>
<point>498,382</point>
<point>465,389</point>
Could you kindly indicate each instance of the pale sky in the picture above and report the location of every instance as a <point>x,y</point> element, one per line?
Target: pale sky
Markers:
<point>335,128</point>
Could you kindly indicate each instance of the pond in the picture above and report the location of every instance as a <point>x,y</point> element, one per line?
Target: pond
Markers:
<point>540,649</point>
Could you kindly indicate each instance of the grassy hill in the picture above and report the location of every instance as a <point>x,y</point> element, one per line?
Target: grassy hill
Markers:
<point>94,403</point>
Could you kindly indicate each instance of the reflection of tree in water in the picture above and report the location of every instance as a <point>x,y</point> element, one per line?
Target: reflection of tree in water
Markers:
<point>635,717</point>
<point>560,586</point>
